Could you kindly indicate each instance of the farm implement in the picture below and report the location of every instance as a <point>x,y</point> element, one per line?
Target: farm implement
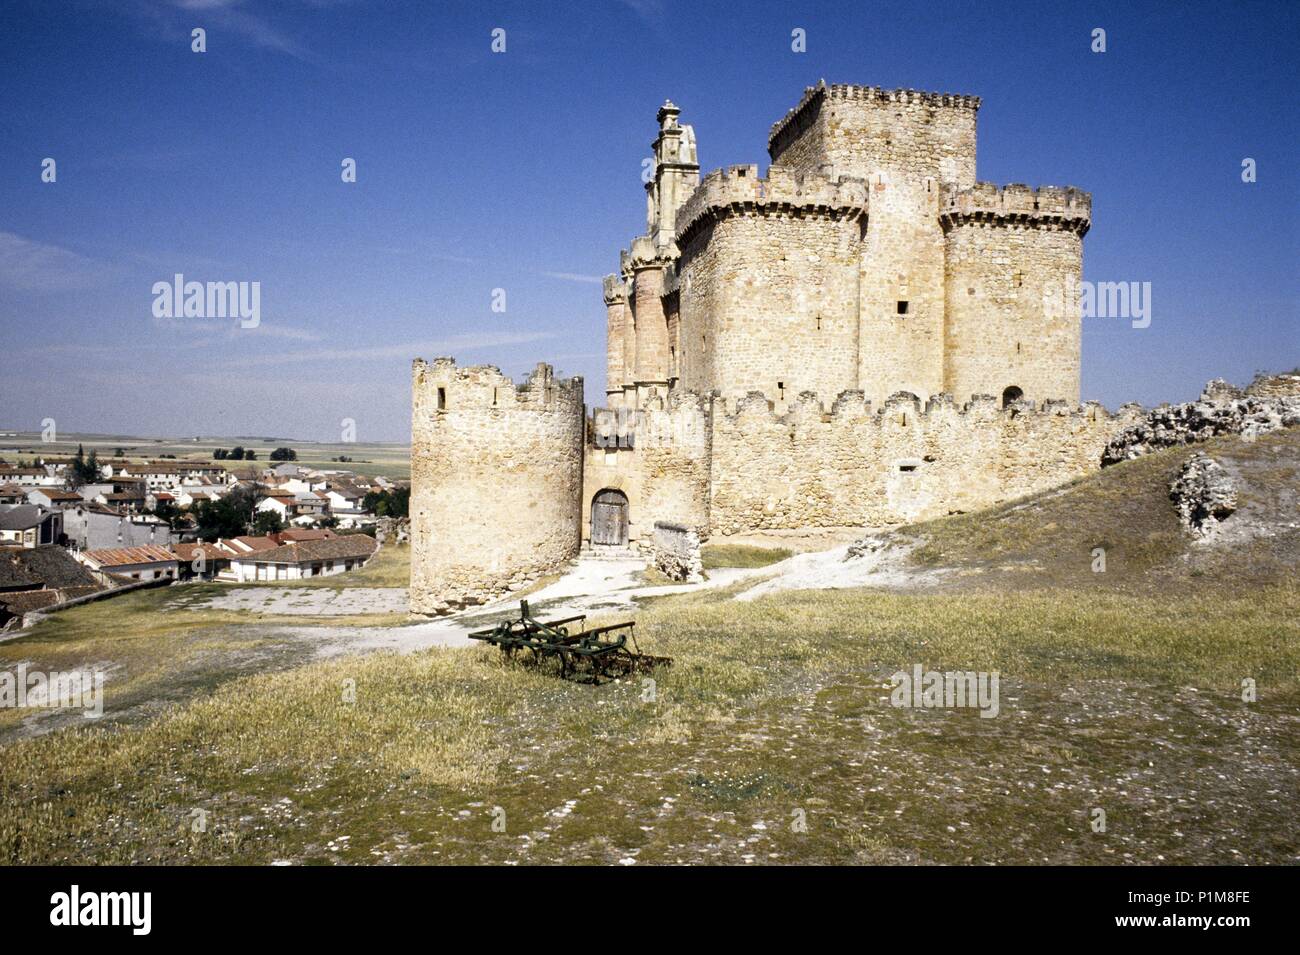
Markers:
<point>585,655</point>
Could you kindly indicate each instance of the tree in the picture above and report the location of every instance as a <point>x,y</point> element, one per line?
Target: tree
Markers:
<point>167,511</point>
<point>83,470</point>
<point>395,503</point>
<point>284,454</point>
<point>237,452</point>
<point>267,522</point>
<point>228,517</point>
<point>220,454</point>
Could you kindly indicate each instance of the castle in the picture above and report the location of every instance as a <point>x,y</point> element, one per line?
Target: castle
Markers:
<point>863,337</point>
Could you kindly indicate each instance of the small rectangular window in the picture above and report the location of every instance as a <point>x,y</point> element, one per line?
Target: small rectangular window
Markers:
<point>442,399</point>
<point>902,306</point>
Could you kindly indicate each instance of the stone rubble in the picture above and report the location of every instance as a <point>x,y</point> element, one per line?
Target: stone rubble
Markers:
<point>677,552</point>
<point>1204,494</point>
<point>1270,403</point>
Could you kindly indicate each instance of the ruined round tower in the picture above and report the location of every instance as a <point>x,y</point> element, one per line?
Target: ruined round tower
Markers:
<point>496,481</point>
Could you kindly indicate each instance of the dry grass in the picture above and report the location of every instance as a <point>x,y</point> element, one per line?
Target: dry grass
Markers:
<point>767,708</point>
<point>1118,691</point>
<point>1049,540</point>
<point>715,556</point>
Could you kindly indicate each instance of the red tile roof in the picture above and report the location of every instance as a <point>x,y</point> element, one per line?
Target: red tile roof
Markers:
<point>121,556</point>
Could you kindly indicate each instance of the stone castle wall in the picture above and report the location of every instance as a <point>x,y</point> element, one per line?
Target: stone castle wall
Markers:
<point>496,479</point>
<point>906,144</point>
<point>767,282</point>
<point>1008,252</point>
<point>852,466</point>
<point>658,456</point>
<point>868,259</point>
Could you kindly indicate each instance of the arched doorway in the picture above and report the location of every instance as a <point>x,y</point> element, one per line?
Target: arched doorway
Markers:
<point>1012,393</point>
<point>609,518</point>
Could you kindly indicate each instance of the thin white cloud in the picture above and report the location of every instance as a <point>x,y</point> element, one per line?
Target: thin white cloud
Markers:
<point>230,330</point>
<point>574,277</point>
<point>408,350</point>
<point>32,266</point>
<point>232,18</point>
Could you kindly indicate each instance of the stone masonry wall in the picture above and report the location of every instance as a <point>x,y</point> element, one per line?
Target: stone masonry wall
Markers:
<point>496,479</point>
<point>676,551</point>
<point>767,282</point>
<point>1008,252</point>
<point>853,466</point>
<point>658,456</point>
<point>906,144</point>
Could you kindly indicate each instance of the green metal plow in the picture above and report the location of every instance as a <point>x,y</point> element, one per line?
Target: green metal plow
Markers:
<point>586,655</point>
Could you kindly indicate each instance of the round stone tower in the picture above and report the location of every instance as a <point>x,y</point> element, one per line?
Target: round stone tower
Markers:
<point>496,481</point>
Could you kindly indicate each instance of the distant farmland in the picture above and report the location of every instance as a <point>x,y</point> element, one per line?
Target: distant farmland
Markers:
<point>389,460</point>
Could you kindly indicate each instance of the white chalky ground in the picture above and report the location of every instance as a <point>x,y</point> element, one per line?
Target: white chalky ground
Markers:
<point>591,586</point>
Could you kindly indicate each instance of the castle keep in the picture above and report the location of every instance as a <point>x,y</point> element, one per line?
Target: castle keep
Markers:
<point>862,337</point>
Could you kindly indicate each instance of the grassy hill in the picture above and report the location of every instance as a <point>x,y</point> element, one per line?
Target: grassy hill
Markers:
<point>1048,540</point>
<point>1120,691</point>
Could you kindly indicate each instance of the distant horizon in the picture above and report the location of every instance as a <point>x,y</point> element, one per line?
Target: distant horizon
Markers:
<point>520,173</point>
<point>74,436</point>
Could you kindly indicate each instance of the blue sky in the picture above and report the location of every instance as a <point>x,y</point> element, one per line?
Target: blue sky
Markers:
<point>521,171</point>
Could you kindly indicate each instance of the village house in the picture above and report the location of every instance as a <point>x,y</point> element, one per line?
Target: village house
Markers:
<point>90,526</point>
<point>13,494</point>
<point>277,502</point>
<point>247,544</point>
<point>200,561</point>
<point>299,560</point>
<point>310,506</point>
<point>52,497</point>
<point>29,525</point>
<point>131,563</point>
<point>345,502</point>
<point>30,477</point>
<point>91,492</point>
<point>154,499</point>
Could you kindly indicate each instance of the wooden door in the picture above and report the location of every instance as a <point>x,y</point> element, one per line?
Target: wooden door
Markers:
<point>609,518</point>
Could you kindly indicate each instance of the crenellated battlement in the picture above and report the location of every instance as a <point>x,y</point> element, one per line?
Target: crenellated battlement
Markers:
<point>739,190</point>
<point>985,203</point>
<point>855,405</point>
<point>615,289</point>
<point>443,386</point>
<point>789,125</point>
<point>802,465</point>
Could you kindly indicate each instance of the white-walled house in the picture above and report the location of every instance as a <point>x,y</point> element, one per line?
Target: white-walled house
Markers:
<point>29,525</point>
<point>279,503</point>
<point>299,560</point>
<point>134,563</point>
<point>52,497</point>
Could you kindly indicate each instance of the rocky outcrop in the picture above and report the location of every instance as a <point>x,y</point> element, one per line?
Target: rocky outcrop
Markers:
<point>1270,403</point>
<point>1204,494</point>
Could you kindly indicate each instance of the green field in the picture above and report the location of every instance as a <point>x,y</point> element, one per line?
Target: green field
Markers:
<point>386,460</point>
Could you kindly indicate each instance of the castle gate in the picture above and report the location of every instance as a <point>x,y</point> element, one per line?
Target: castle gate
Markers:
<point>609,518</point>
